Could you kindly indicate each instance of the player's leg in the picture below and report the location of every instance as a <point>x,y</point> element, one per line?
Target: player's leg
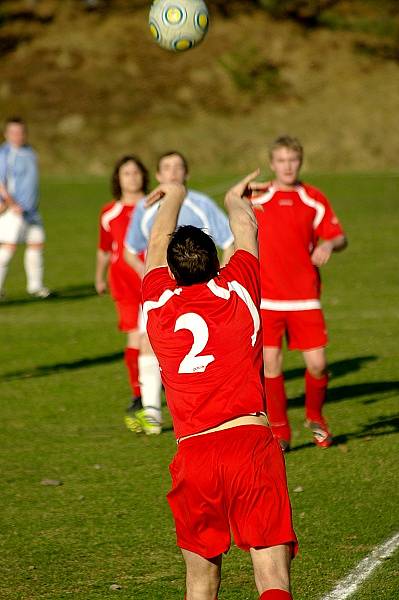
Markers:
<point>33,261</point>
<point>150,381</point>
<point>7,251</point>
<point>308,334</point>
<point>12,229</point>
<point>272,572</point>
<point>273,323</point>
<point>276,398</point>
<point>131,362</point>
<point>316,382</point>
<point>202,576</point>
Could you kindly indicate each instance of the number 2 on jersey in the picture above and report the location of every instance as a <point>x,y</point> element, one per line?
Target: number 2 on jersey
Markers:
<point>192,363</point>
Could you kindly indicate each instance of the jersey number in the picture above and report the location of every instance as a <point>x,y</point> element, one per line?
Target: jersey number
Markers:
<point>192,363</point>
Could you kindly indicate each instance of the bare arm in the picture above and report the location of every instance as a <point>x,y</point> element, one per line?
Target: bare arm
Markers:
<point>133,261</point>
<point>227,254</point>
<point>321,254</point>
<point>165,222</point>
<point>102,263</point>
<point>242,220</point>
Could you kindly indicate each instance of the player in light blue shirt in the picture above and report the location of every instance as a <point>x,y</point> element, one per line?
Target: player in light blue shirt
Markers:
<point>198,210</point>
<point>20,221</point>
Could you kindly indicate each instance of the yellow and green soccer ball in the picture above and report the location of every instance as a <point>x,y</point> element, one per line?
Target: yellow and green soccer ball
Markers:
<point>178,25</point>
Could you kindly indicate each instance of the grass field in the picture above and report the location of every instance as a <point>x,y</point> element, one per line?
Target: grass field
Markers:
<point>63,392</point>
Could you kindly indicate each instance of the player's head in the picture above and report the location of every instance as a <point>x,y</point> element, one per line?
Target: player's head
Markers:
<point>15,131</point>
<point>285,156</point>
<point>129,176</point>
<point>172,167</point>
<point>192,256</point>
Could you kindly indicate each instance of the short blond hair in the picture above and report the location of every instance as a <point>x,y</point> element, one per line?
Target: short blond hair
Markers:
<point>286,141</point>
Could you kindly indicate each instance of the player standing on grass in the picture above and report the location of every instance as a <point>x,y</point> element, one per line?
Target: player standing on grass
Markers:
<point>292,218</point>
<point>20,221</point>
<point>129,184</point>
<point>204,325</point>
<point>198,210</point>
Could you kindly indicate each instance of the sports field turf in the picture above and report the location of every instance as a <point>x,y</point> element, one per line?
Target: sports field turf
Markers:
<point>63,392</point>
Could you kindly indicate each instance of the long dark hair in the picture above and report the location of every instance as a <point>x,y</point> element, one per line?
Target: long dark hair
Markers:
<point>115,183</point>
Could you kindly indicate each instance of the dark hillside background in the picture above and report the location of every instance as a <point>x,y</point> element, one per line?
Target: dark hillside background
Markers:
<point>92,84</point>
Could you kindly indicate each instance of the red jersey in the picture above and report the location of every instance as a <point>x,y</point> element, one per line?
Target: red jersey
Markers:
<point>125,283</point>
<point>208,343</point>
<point>290,224</point>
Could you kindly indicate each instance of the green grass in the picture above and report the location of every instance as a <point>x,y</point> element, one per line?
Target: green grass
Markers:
<point>63,391</point>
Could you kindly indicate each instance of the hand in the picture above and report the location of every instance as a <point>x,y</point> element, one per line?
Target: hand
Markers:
<point>166,189</point>
<point>101,287</point>
<point>322,253</point>
<point>240,188</point>
<point>256,186</point>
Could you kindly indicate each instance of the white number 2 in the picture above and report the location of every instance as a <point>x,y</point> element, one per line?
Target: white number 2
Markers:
<point>192,363</point>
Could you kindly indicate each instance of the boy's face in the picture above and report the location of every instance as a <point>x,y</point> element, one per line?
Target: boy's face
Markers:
<point>171,170</point>
<point>15,134</point>
<point>285,164</point>
<point>130,178</point>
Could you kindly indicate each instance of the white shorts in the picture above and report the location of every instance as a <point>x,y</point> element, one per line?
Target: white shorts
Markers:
<point>14,229</point>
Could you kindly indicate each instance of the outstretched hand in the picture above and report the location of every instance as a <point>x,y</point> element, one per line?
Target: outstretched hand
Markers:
<point>256,186</point>
<point>165,189</point>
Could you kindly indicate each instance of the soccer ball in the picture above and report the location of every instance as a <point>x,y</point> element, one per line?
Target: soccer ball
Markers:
<point>178,25</point>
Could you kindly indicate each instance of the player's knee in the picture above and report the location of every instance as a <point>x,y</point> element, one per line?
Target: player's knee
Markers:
<point>317,368</point>
<point>202,587</point>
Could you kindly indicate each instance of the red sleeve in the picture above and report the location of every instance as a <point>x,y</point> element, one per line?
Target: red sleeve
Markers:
<point>105,237</point>
<point>244,268</point>
<point>155,283</point>
<point>329,227</point>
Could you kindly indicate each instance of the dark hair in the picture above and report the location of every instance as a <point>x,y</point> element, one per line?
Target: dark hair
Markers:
<point>173,153</point>
<point>192,256</point>
<point>16,120</point>
<point>115,183</point>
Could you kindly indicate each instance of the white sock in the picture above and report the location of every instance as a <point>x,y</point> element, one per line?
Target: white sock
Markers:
<point>6,255</point>
<point>150,385</point>
<point>33,261</point>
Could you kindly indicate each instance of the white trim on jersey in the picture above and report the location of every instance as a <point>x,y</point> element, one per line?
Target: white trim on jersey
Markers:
<point>242,292</point>
<point>287,305</point>
<point>265,197</point>
<point>318,206</point>
<point>163,299</point>
<point>111,214</point>
<point>200,213</point>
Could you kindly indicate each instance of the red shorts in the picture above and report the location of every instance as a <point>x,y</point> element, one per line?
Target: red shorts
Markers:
<point>304,329</point>
<point>230,481</point>
<point>128,313</point>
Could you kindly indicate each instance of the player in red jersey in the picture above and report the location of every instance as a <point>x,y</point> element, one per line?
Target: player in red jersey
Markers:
<point>298,231</point>
<point>203,322</point>
<point>129,184</point>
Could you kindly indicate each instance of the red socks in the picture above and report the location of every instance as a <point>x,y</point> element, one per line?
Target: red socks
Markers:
<point>276,403</point>
<point>131,361</point>
<point>315,395</point>
<point>275,595</point>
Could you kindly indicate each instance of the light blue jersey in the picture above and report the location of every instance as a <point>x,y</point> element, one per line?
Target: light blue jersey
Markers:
<point>197,210</point>
<point>19,175</point>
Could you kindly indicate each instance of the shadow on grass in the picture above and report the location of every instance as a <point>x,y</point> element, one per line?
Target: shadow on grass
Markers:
<point>45,370</point>
<point>337,368</point>
<point>356,390</point>
<point>384,425</point>
<point>72,292</point>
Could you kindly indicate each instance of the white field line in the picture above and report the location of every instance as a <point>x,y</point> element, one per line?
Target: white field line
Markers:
<point>348,586</point>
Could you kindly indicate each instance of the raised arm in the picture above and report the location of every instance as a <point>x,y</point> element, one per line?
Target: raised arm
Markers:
<point>172,195</point>
<point>242,220</point>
